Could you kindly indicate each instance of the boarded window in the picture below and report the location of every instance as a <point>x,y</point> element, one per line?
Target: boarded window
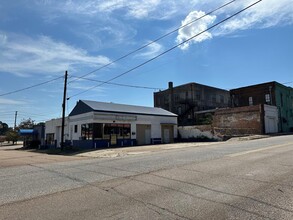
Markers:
<point>197,95</point>
<point>50,139</point>
<point>250,101</point>
<point>267,98</point>
<point>214,99</point>
<point>221,99</point>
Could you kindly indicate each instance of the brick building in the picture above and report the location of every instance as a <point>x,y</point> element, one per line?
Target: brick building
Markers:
<point>188,99</point>
<point>270,93</point>
<point>247,120</point>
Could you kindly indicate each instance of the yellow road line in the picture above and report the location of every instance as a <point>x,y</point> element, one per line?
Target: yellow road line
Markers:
<point>261,149</point>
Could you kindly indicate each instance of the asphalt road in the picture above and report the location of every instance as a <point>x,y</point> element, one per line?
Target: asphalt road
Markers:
<point>232,180</point>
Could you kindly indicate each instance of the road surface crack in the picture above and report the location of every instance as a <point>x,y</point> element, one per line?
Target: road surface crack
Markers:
<point>151,206</point>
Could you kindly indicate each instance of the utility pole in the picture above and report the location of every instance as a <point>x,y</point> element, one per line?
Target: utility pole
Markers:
<point>63,112</point>
<point>15,117</point>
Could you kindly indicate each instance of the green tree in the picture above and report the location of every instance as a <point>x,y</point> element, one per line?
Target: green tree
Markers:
<point>26,124</point>
<point>3,128</point>
<point>41,123</point>
<point>12,136</point>
<point>2,139</point>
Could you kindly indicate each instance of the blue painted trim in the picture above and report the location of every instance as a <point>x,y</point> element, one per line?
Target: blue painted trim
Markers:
<point>96,144</point>
<point>156,140</point>
<point>126,142</point>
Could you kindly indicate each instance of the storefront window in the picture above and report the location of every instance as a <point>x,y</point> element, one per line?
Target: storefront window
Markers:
<point>121,130</point>
<point>104,131</point>
<point>87,131</point>
<point>126,131</point>
<point>98,131</point>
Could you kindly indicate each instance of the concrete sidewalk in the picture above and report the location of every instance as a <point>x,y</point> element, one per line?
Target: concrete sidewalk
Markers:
<point>12,156</point>
<point>137,150</point>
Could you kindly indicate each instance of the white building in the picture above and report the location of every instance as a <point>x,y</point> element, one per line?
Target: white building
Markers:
<point>271,119</point>
<point>94,124</point>
<point>53,131</point>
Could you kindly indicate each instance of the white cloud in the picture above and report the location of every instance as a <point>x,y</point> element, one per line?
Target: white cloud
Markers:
<point>272,11</point>
<point>97,21</point>
<point>4,101</point>
<point>152,50</point>
<point>111,25</point>
<point>267,13</point>
<point>147,9</point>
<point>138,9</point>
<point>195,28</point>
<point>23,56</point>
<point>3,39</point>
<point>85,86</point>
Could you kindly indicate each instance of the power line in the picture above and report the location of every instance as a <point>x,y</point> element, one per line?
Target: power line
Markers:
<point>29,116</point>
<point>24,117</point>
<point>34,114</point>
<point>166,51</point>
<point>124,56</point>
<point>152,42</point>
<point>120,84</point>
<point>29,87</point>
<point>6,111</point>
<point>6,114</point>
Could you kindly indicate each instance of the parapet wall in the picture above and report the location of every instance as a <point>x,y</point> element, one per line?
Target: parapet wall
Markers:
<point>239,121</point>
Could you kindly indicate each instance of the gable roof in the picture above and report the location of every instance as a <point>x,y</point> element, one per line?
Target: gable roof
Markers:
<point>84,106</point>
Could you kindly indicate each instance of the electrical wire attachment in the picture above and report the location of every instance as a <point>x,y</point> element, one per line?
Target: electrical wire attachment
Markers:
<point>166,51</point>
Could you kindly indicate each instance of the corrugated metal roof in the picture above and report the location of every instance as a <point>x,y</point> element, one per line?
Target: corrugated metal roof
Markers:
<point>129,109</point>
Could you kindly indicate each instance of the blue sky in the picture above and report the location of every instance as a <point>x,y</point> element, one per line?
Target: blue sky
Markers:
<point>40,39</point>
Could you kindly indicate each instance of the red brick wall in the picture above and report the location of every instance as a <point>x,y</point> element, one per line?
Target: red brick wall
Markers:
<point>238,121</point>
